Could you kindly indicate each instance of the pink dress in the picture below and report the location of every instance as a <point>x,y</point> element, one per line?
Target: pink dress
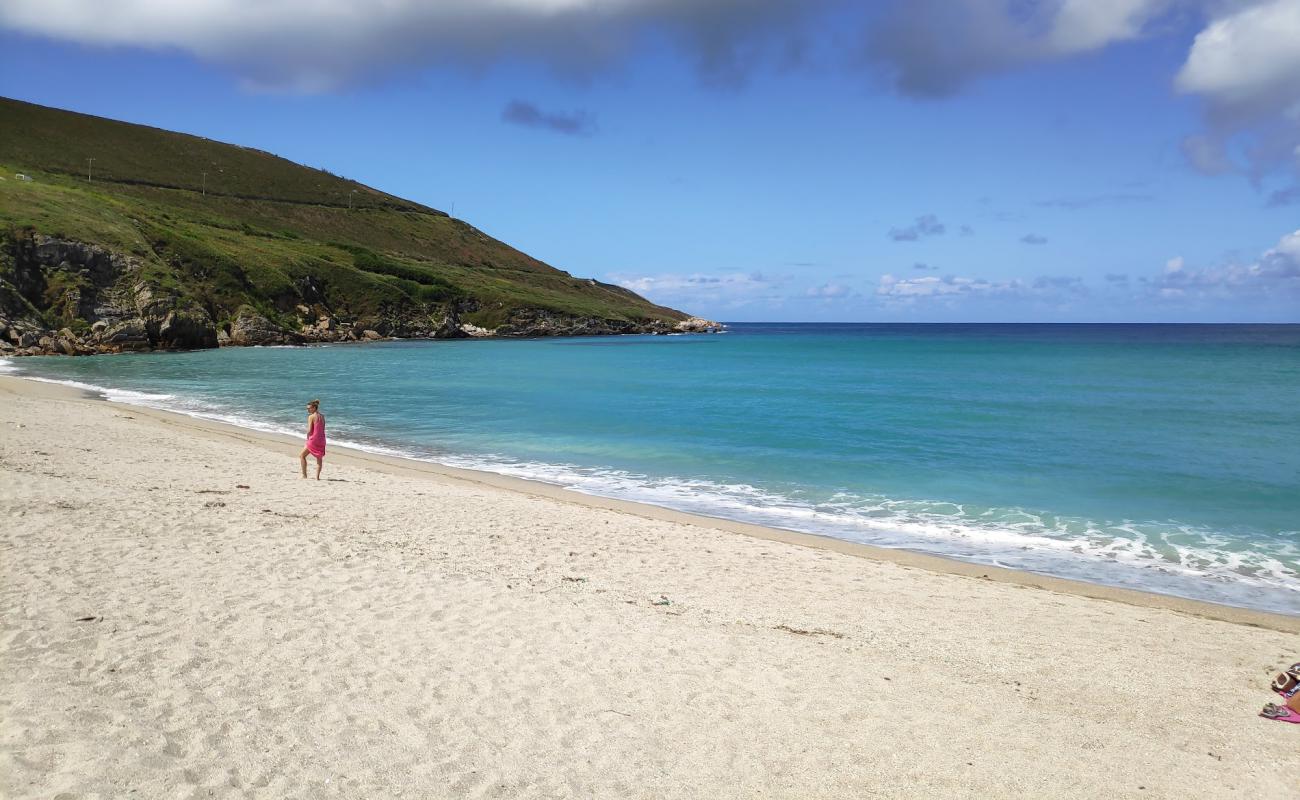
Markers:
<point>316,437</point>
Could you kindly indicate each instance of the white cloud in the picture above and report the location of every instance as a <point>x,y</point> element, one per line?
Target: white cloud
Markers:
<point>731,289</point>
<point>316,45</point>
<point>1248,58</point>
<point>1274,275</point>
<point>934,286</point>
<point>934,47</point>
<point>1246,66</point>
<point>1083,25</point>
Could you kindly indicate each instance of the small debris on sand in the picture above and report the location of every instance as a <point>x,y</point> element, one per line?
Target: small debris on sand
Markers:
<point>813,632</point>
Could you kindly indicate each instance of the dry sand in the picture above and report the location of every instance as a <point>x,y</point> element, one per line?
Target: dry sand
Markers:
<point>403,630</point>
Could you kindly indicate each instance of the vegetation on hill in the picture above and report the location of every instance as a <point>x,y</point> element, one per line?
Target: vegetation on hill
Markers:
<point>173,240</point>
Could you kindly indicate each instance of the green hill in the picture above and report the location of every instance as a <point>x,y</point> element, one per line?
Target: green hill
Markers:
<point>178,241</point>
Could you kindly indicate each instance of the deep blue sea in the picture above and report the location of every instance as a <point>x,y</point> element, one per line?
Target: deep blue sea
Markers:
<point>1162,457</point>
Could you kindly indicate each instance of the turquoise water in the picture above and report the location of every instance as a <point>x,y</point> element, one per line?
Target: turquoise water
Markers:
<point>1164,457</point>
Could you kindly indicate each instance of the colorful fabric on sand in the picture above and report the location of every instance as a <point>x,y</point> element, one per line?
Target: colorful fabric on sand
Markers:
<point>316,438</point>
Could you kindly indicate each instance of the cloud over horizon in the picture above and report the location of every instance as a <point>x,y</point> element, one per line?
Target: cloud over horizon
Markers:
<point>1275,275</point>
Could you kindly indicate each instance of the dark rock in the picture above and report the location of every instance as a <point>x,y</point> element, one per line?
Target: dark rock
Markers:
<point>187,330</point>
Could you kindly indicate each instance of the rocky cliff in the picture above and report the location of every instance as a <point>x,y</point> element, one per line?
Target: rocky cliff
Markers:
<point>66,297</point>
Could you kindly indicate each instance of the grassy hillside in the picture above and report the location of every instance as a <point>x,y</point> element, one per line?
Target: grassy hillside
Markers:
<point>260,233</point>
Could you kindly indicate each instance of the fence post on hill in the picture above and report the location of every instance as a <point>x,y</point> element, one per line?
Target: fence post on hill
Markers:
<point>350,193</point>
<point>90,165</point>
<point>204,189</point>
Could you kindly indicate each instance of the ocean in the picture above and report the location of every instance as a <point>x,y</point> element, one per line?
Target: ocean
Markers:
<point>1157,457</point>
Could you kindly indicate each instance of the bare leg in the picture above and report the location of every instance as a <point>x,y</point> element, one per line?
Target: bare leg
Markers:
<point>319,463</point>
<point>302,459</point>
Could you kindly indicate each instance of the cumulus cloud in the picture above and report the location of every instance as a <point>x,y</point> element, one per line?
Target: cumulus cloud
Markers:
<point>935,47</point>
<point>1244,62</point>
<point>578,123</point>
<point>1033,238</point>
<point>317,45</point>
<point>925,225</point>
<point>1275,274</point>
<point>1245,65</point>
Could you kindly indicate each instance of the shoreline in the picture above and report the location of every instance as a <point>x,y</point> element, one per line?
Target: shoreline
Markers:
<point>341,454</point>
<point>181,615</point>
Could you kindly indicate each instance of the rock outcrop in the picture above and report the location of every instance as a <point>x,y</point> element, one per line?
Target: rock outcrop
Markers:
<point>95,298</point>
<point>60,296</point>
<point>251,329</point>
<point>698,325</point>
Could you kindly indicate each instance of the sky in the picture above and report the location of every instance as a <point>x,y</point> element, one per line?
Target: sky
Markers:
<point>763,160</point>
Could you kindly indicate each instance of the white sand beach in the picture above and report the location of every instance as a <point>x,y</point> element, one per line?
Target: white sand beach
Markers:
<point>183,616</point>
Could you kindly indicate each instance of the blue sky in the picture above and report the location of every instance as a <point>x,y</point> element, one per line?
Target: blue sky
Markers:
<point>969,160</point>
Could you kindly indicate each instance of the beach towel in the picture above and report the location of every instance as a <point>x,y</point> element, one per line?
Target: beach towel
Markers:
<point>1280,713</point>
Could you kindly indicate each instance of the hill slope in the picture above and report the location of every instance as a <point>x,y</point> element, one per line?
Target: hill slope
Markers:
<point>180,241</point>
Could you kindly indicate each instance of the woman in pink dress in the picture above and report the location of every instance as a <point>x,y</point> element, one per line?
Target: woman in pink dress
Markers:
<point>315,438</point>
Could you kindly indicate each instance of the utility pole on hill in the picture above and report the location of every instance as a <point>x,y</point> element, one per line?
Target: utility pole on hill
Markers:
<point>90,165</point>
<point>205,184</point>
<point>354,191</point>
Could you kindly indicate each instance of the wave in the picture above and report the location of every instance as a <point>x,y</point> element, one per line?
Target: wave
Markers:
<point>1164,557</point>
<point>1168,558</point>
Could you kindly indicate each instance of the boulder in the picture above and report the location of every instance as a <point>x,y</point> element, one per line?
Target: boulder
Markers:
<point>187,330</point>
<point>251,328</point>
<point>129,334</point>
<point>370,335</point>
<point>699,325</point>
